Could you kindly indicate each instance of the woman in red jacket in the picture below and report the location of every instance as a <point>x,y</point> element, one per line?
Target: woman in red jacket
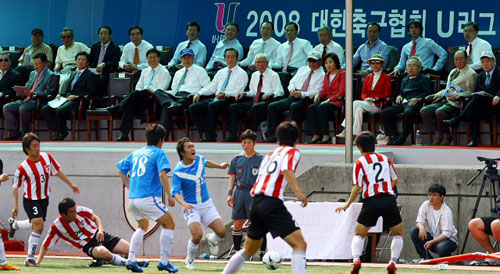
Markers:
<point>377,86</point>
<point>330,100</point>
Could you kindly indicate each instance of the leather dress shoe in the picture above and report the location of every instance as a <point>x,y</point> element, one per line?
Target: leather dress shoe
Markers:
<point>314,141</point>
<point>327,141</point>
<point>452,122</point>
<point>473,143</point>
<point>174,107</point>
<point>62,136</point>
<point>230,139</point>
<point>122,138</point>
<point>14,136</point>
<point>208,139</point>
<point>113,109</point>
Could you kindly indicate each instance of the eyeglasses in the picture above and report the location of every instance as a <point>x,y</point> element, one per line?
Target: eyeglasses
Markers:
<point>65,37</point>
<point>4,60</point>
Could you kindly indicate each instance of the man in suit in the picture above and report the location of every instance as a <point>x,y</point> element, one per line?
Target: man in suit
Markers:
<point>485,99</point>
<point>41,83</point>
<point>104,57</point>
<point>8,77</point>
<point>81,82</point>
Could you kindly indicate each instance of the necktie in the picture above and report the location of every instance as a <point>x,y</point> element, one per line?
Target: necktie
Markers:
<point>151,79</point>
<point>181,82</point>
<point>469,57</point>
<point>288,58</point>
<point>305,86</point>
<point>325,51</point>
<point>136,56</point>
<point>1,74</point>
<point>455,75</point>
<point>413,49</point>
<point>101,54</point>
<point>488,79</point>
<point>36,82</point>
<point>224,85</point>
<point>263,47</point>
<point>189,44</point>
<point>77,76</point>
<point>259,90</point>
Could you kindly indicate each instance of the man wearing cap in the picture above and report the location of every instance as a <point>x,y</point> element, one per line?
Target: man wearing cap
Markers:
<point>476,45</point>
<point>65,59</point>
<point>292,54</point>
<point>193,43</point>
<point>305,84</point>
<point>327,45</point>
<point>187,81</point>
<point>37,46</point>
<point>485,99</point>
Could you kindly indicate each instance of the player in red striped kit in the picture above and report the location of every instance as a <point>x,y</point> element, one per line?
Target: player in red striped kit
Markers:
<point>34,174</point>
<point>374,177</point>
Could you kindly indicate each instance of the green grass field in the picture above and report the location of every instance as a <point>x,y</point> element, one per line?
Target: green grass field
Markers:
<point>77,266</point>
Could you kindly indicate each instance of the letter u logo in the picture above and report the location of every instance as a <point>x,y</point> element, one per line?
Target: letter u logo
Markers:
<point>221,8</point>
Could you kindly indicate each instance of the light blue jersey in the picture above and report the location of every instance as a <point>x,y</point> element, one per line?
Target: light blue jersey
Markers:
<point>144,167</point>
<point>191,181</point>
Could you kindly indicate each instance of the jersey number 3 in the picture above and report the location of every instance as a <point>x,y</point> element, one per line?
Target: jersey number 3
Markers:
<point>139,167</point>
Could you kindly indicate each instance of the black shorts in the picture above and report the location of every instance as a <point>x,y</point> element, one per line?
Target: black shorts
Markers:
<point>109,243</point>
<point>36,208</point>
<point>381,205</point>
<point>269,214</point>
<point>242,201</point>
<point>487,224</point>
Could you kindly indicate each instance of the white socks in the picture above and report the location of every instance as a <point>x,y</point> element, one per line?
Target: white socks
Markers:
<point>24,224</point>
<point>191,250</point>
<point>298,262</point>
<point>166,241</point>
<point>235,263</point>
<point>214,238</point>
<point>357,245</point>
<point>135,243</point>
<point>396,247</point>
<point>3,258</point>
<point>33,244</point>
<point>118,260</point>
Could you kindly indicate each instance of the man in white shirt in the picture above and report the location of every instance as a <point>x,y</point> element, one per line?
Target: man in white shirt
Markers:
<point>434,230</point>
<point>292,54</point>
<point>134,53</point>
<point>199,49</point>
<point>227,84</point>
<point>190,79</point>
<point>305,84</point>
<point>264,86</point>
<point>267,45</point>
<point>152,78</point>
<point>476,45</point>
<point>327,45</point>
<point>217,61</point>
<point>65,58</point>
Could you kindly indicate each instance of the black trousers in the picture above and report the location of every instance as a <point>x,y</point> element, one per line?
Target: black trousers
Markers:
<point>275,110</point>
<point>319,118</point>
<point>166,101</point>
<point>206,112</point>
<point>56,118</point>
<point>236,111</point>
<point>477,109</point>
<point>134,104</point>
<point>258,113</point>
<point>390,114</point>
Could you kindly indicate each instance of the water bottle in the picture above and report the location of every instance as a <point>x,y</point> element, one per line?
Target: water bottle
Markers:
<point>418,138</point>
<point>207,256</point>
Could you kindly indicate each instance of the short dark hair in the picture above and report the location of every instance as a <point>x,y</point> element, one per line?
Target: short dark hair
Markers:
<point>334,57</point>
<point>437,188</point>
<point>180,146</point>
<point>105,27</point>
<point>42,56</point>
<point>327,28</point>
<point>293,24</point>
<point>153,50</point>
<point>231,49</point>
<point>193,24</point>
<point>28,138</point>
<point>474,25</point>
<point>155,133</point>
<point>248,134</point>
<point>64,205</point>
<point>267,22</point>
<point>83,53</point>
<point>287,133</point>
<point>417,24</point>
<point>371,24</point>
<point>70,30</point>
<point>232,24</point>
<point>366,141</point>
<point>133,28</point>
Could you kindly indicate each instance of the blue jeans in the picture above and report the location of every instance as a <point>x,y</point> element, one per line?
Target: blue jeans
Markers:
<point>443,249</point>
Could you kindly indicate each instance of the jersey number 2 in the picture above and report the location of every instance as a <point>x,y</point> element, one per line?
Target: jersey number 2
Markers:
<point>378,168</point>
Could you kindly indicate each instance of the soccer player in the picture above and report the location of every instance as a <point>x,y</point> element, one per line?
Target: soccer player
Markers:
<point>80,227</point>
<point>4,265</point>
<point>34,174</point>
<point>268,213</point>
<point>243,172</point>
<point>189,187</point>
<point>374,177</point>
<point>147,179</point>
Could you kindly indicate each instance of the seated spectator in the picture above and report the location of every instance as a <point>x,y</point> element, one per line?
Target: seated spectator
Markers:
<point>481,229</point>
<point>414,87</point>
<point>218,59</point>
<point>41,83</point>
<point>134,52</point>
<point>293,53</point>
<point>376,88</point>
<point>267,45</point>
<point>81,82</point>
<point>104,57</point>
<point>434,230</point>
<point>227,85</point>
<point>25,65</point>
<point>8,77</point>
<point>485,99</point>
<point>190,79</point>
<point>445,103</point>
<point>326,103</point>
<point>66,54</point>
<point>476,45</point>
<point>264,86</point>
<point>193,43</point>
<point>424,48</point>
<point>327,45</point>
<point>305,85</point>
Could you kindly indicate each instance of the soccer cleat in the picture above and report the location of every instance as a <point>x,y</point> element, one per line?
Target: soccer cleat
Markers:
<point>143,263</point>
<point>189,264</point>
<point>134,267</point>
<point>391,268</point>
<point>356,266</point>
<point>214,246</point>
<point>168,267</point>
<point>9,266</point>
<point>12,230</point>
<point>96,263</point>
<point>30,263</point>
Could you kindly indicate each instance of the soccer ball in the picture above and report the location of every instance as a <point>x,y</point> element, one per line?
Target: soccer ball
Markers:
<point>272,260</point>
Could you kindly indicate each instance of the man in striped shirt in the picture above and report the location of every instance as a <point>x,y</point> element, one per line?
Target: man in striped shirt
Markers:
<point>80,227</point>
<point>34,174</point>
<point>374,177</point>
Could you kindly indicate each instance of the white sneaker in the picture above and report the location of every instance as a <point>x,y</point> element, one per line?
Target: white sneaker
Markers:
<point>214,246</point>
<point>341,135</point>
<point>189,264</point>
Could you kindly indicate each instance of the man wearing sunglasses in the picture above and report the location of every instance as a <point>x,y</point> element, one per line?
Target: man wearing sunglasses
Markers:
<point>8,77</point>
<point>65,59</point>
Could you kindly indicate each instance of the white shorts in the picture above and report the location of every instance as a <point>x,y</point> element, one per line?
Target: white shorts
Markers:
<point>204,213</point>
<point>147,208</point>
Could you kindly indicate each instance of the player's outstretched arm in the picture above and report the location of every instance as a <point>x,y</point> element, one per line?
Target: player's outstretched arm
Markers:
<point>65,179</point>
<point>230,187</point>
<point>100,227</point>
<point>166,187</point>
<point>43,252</point>
<point>354,194</point>
<point>4,177</point>
<point>211,164</point>
<point>292,181</point>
